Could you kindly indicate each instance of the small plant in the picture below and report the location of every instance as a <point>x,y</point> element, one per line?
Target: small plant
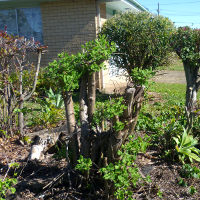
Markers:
<point>50,111</point>
<point>84,164</point>
<point>26,140</point>
<point>185,147</point>
<point>182,182</point>
<point>55,99</point>
<point>7,184</point>
<point>189,171</point>
<point>124,174</point>
<point>160,194</point>
<point>192,190</point>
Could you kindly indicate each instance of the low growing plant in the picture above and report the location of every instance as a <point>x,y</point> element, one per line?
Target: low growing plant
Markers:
<point>189,171</point>
<point>124,174</point>
<point>50,111</point>
<point>7,184</point>
<point>185,147</point>
<point>84,164</point>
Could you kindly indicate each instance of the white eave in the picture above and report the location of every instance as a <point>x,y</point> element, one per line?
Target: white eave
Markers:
<point>123,5</point>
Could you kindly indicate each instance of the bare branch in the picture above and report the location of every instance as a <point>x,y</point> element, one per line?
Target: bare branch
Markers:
<point>36,76</point>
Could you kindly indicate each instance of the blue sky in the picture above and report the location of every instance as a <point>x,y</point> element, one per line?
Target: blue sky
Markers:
<point>181,12</point>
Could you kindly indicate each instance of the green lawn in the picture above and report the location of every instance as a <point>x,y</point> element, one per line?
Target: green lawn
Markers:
<point>176,65</point>
<point>170,92</point>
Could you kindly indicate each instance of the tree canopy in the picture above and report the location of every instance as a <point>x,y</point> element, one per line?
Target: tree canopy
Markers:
<point>142,39</point>
<point>186,43</point>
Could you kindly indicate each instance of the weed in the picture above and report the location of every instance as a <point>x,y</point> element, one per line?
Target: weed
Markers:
<point>84,164</point>
<point>160,194</point>
<point>7,184</point>
<point>192,190</point>
<point>189,171</point>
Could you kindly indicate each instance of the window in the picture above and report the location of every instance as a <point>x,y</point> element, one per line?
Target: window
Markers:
<point>23,22</point>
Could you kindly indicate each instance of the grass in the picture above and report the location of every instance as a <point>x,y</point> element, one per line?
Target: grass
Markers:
<point>176,65</point>
<point>170,92</point>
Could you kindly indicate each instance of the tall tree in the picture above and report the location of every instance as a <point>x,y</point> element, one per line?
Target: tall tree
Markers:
<point>186,43</point>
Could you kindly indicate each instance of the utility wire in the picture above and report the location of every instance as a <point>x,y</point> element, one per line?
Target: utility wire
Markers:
<point>184,15</point>
<point>178,3</point>
<point>175,3</point>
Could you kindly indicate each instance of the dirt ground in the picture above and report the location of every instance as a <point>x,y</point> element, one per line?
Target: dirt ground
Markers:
<point>170,77</point>
<point>35,181</point>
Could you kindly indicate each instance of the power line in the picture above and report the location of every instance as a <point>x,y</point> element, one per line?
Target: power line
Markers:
<point>178,3</point>
<point>181,15</point>
<point>185,23</point>
<point>175,11</point>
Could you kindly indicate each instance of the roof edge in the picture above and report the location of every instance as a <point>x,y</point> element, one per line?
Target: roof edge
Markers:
<point>136,4</point>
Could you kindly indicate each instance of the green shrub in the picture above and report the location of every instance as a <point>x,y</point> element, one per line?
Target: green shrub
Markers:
<point>124,174</point>
<point>142,39</point>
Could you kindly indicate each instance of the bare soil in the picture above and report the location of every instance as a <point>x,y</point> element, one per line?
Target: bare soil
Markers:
<point>170,77</point>
<point>35,176</point>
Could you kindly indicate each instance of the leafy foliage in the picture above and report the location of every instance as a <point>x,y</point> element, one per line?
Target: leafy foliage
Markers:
<point>186,43</point>
<point>189,171</point>
<point>141,76</point>
<point>186,147</point>
<point>105,111</point>
<point>55,99</point>
<point>7,185</point>
<point>84,164</point>
<point>142,40</point>
<point>66,72</point>
<point>124,173</point>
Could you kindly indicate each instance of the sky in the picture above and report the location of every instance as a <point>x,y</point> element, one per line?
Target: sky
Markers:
<point>181,12</point>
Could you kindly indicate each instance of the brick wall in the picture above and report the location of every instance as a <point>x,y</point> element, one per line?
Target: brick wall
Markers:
<point>67,25</point>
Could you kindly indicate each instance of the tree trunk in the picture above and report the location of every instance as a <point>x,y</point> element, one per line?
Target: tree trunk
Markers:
<point>21,101</point>
<point>191,74</point>
<point>9,107</point>
<point>21,119</point>
<point>83,103</point>
<point>91,96</point>
<point>71,125</point>
<point>24,97</point>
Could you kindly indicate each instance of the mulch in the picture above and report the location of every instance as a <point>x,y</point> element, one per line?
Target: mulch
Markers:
<point>33,176</point>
